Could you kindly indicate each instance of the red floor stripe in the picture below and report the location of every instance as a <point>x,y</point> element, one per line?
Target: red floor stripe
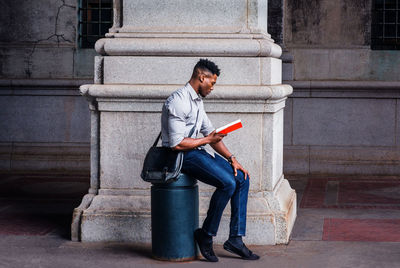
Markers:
<point>374,230</point>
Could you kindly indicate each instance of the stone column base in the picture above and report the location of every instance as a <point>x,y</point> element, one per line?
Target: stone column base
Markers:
<point>125,216</point>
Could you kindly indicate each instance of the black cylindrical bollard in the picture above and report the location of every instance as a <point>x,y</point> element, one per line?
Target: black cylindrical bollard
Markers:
<point>174,218</point>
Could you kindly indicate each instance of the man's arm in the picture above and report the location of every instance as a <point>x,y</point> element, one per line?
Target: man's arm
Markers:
<point>190,143</point>
<point>220,148</point>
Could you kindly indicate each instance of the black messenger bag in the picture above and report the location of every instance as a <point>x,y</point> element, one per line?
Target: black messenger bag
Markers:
<point>162,164</point>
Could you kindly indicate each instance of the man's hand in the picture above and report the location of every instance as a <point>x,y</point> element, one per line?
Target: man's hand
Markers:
<point>215,137</point>
<point>237,166</point>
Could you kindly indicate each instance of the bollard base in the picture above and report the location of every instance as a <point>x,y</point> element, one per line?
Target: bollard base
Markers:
<point>187,259</point>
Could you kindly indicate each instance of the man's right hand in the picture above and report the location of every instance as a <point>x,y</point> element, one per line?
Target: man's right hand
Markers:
<point>215,137</point>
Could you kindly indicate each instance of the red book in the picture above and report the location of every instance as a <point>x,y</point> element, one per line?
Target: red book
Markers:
<point>230,127</point>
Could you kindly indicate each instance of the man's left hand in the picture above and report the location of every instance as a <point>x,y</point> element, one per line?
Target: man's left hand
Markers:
<point>237,166</point>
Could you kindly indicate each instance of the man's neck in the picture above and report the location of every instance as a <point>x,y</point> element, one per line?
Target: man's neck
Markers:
<point>194,85</point>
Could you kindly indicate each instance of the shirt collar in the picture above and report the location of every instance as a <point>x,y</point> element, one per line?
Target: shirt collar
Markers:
<point>192,92</point>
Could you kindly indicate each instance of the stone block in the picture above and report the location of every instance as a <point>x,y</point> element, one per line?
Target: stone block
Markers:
<point>344,64</point>
<point>311,64</point>
<point>39,62</point>
<point>197,16</point>
<point>44,119</point>
<point>177,70</point>
<point>272,153</point>
<point>288,122</point>
<point>383,65</point>
<point>124,140</point>
<point>326,23</point>
<point>296,159</point>
<point>348,64</point>
<point>30,21</point>
<point>51,62</point>
<point>14,62</point>
<point>368,122</point>
<point>271,71</point>
<point>325,64</point>
<point>50,156</point>
<point>287,71</point>
<point>355,160</point>
<point>120,165</point>
<point>244,143</point>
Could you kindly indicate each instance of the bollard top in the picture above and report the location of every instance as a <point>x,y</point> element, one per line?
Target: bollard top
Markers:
<point>183,181</point>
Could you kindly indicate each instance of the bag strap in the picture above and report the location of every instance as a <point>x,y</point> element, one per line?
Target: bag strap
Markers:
<point>190,133</point>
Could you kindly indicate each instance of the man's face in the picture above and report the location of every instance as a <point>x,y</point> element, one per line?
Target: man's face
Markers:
<point>207,82</point>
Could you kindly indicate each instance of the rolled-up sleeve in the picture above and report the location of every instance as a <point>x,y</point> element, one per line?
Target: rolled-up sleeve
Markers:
<point>206,126</point>
<point>176,124</point>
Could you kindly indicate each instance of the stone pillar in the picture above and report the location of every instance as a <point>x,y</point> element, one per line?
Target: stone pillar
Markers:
<point>149,53</point>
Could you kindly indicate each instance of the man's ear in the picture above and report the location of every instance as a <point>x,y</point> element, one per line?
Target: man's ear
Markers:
<point>201,77</point>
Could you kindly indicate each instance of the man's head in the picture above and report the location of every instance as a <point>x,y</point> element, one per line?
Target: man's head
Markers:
<point>204,77</point>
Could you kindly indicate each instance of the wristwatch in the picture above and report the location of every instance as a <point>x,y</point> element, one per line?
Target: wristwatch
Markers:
<point>230,158</point>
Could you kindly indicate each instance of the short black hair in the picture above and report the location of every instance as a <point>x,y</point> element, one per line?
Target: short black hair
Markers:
<point>205,64</point>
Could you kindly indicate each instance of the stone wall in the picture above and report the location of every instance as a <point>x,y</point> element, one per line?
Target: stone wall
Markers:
<point>44,121</point>
<point>344,114</point>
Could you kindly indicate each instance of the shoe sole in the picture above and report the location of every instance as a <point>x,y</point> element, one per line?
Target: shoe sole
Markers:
<point>242,257</point>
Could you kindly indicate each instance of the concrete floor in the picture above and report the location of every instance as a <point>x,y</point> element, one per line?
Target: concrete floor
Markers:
<point>341,222</point>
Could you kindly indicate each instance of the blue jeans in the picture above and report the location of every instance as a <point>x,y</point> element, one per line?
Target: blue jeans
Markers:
<point>219,173</point>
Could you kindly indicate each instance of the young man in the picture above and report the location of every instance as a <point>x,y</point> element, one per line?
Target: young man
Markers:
<point>182,111</point>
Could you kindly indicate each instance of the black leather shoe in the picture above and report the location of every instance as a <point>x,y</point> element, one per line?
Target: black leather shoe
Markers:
<point>206,247</point>
<point>243,252</point>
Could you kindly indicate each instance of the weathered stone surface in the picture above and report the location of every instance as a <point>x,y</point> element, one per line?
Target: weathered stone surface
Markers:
<point>154,70</point>
<point>36,62</point>
<point>276,19</point>
<point>343,122</point>
<point>121,156</point>
<point>44,119</point>
<point>121,165</point>
<point>296,159</point>
<point>345,64</point>
<point>205,45</point>
<point>84,62</point>
<point>271,71</point>
<point>287,71</point>
<point>382,65</point>
<point>341,23</point>
<point>288,122</point>
<point>341,160</point>
<point>244,143</point>
<point>37,156</point>
<point>272,152</point>
<point>355,160</point>
<point>32,21</point>
<point>197,16</point>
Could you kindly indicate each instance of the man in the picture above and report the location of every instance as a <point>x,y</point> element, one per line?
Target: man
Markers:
<point>184,111</point>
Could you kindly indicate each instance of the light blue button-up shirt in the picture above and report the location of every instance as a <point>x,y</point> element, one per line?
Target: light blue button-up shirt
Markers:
<point>179,116</point>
